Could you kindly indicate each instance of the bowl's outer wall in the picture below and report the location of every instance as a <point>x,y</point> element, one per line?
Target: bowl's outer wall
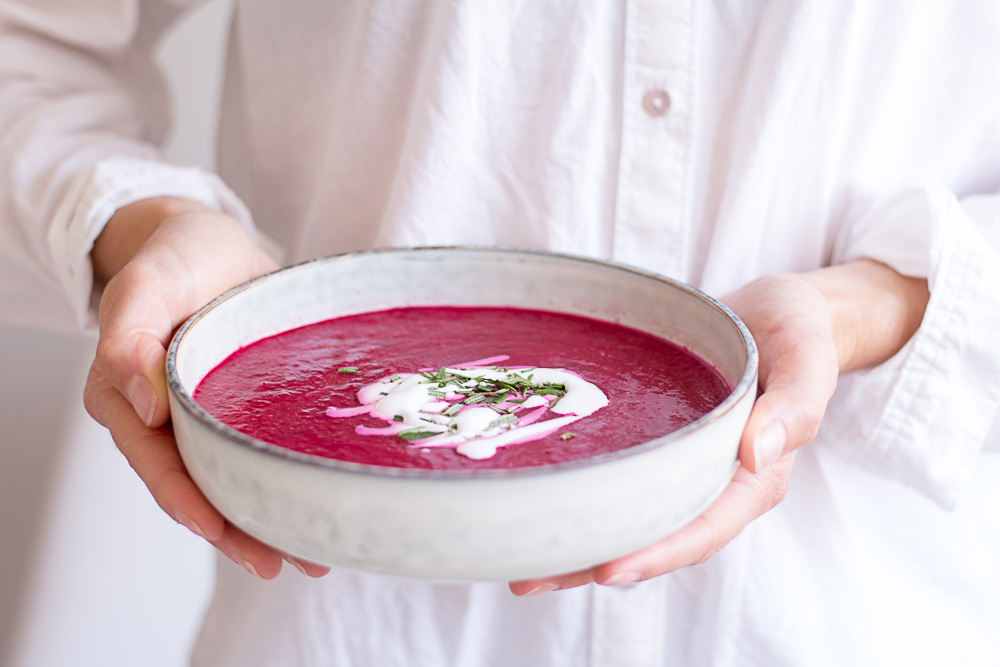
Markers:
<point>487,527</point>
<point>478,529</point>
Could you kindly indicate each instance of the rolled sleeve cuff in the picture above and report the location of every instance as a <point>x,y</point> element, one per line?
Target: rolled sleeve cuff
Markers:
<point>106,186</point>
<point>939,395</point>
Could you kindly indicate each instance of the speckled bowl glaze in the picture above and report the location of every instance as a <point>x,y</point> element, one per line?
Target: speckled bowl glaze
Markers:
<point>461,525</point>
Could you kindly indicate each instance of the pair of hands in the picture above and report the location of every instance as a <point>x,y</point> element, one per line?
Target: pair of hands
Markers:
<point>163,259</point>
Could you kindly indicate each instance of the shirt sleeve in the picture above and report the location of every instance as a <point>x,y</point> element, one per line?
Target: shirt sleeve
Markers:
<point>925,416</point>
<point>83,111</point>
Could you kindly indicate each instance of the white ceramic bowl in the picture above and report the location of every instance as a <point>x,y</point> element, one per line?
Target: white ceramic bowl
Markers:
<point>464,525</point>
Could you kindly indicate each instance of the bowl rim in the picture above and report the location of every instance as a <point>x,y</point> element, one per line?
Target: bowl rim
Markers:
<point>747,381</point>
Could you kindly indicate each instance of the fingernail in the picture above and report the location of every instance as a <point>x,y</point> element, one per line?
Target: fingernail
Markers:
<point>769,445</point>
<point>622,579</point>
<point>543,588</point>
<point>298,566</point>
<point>191,525</point>
<point>140,394</point>
<point>248,566</point>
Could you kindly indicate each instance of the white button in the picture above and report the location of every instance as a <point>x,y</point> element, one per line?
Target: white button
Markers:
<point>656,102</point>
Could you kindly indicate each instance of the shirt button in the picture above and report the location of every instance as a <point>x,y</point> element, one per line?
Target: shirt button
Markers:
<point>656,102</point>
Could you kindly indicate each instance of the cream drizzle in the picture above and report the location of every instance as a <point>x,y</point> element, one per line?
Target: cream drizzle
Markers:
<point>409,401</point>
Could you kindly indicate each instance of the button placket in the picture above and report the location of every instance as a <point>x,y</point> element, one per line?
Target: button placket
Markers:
<point>653,205</point>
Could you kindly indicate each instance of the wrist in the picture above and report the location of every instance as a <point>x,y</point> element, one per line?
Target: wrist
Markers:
<point>129,229</point>
<point>874,310</point>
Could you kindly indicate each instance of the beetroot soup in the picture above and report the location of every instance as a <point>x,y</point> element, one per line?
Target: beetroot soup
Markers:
<point>467,388</point>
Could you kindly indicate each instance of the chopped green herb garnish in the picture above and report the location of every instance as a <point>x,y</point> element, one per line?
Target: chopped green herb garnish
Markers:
<point>502,419</point>
<point>418,434</point>
<point>352,370</point>
<point>397,418</point>
<point>504,391</point>
<point>567,436</point>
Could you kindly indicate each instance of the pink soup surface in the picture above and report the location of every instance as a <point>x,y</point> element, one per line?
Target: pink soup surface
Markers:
<point>281,388</point>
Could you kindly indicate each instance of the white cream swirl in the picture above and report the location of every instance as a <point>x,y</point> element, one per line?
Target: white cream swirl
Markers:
<point>475,409</point>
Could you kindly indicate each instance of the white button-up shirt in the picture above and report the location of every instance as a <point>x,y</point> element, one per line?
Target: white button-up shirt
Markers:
<point>710,141</point>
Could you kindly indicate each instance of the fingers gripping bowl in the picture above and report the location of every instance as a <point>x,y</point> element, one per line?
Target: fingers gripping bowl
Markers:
<point>461,524</point>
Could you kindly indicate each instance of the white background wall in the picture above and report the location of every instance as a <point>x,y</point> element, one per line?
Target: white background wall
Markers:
<point>91,572</point>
